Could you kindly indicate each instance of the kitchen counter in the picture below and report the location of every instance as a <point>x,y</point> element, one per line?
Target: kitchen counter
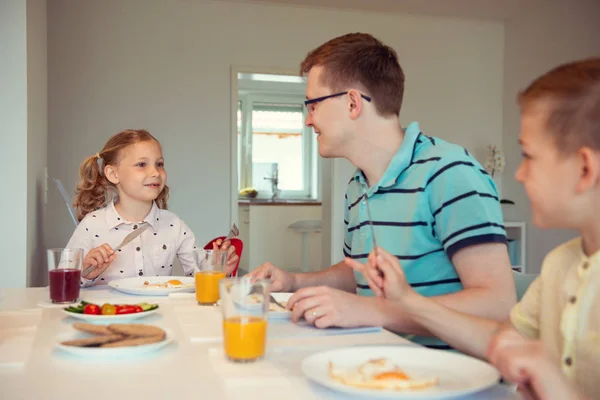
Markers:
<point>278,202</point>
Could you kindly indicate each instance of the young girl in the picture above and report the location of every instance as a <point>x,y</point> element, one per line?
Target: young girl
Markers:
<point>551,344</point>
<point>126,193</point>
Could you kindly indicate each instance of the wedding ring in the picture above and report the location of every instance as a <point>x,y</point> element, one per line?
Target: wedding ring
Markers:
<point>313,312</point>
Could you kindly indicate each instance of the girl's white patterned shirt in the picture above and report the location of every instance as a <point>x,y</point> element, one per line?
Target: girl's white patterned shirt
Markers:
<point>150,254</point>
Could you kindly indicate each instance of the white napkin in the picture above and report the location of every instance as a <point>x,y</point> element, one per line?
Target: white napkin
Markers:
<point>17,333</point>
<point>286,329</point>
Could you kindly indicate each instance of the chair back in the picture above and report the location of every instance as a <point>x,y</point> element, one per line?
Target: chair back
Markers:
<point>522,282</point>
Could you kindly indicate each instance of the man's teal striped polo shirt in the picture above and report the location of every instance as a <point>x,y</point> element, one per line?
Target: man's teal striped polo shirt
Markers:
<point>433,200</point>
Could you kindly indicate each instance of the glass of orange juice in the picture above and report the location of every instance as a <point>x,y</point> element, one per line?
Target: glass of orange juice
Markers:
<point>210,271</point>
<point>244,305</point>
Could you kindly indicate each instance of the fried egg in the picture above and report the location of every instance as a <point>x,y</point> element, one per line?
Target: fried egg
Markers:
<point>379,374</point>
<point>170,284</point>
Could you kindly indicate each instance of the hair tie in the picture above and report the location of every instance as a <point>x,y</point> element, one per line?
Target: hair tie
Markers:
<point>98,155</point>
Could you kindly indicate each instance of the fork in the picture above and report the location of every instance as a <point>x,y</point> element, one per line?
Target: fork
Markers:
<point>233,232</point>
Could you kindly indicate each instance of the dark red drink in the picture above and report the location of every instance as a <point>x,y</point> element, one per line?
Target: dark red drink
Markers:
<point>64,285</point>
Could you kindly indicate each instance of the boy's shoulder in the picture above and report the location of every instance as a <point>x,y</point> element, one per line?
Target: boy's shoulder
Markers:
<point>563,256</point>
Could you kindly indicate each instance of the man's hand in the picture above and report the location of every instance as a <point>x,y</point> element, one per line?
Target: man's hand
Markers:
<point>281,281</point>
<point>325,307</point>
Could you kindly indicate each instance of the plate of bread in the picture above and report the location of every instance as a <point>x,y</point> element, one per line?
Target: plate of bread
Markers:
<point>113,340</point>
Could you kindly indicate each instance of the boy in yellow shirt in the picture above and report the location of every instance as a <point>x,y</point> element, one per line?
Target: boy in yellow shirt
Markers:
<point>551,344</point>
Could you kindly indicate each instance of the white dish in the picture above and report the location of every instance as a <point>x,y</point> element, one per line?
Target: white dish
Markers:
<point>277,313</point>
<point>458,374</point>
<point>109,318</point>
<point>136,285</point>
<point>111,352</point>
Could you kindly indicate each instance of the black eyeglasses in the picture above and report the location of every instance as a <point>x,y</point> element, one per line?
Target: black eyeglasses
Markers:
<point>310,104</point>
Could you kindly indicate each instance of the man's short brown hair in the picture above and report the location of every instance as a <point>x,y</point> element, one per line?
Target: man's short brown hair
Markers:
<point>572,95</point>
<point>360,59</point>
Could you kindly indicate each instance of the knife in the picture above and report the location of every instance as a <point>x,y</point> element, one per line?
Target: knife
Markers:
<point>272,300</point>
<point>141,228</point>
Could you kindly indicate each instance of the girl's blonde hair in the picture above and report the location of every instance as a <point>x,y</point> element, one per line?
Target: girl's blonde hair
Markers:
<point>94,190</point>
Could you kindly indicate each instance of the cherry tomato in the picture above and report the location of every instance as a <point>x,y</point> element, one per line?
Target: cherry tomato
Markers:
<point>91,309</point>
<point>126,309</point>
<point>108,309</point>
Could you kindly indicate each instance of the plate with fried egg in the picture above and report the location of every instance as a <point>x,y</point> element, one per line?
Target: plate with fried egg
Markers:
<point>399,372</point>
<point>154,286</point>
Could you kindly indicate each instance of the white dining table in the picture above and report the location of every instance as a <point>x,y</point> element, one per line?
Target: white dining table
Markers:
<point>193,366</point>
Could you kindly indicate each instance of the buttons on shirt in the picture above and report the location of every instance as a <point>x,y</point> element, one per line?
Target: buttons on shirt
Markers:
<point>568,361</point>
<point>141,273</point>
<point>573,299</point>
<point>585,265</point>
<point>137,248</point>
<point>164,246</point>
<point>135,227</point>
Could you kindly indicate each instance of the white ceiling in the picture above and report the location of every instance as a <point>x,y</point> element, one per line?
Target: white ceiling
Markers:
<point>498,10</point>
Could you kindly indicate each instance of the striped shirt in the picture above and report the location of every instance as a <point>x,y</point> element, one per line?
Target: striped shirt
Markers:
<point>433,200</point>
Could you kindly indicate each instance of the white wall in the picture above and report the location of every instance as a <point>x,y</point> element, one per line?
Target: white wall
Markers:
<point>23,132</point>
<point>13,142</point>
<point>271,240</point>
<point>37,140</point>
<point>166,66</point>
<point>534,43</point>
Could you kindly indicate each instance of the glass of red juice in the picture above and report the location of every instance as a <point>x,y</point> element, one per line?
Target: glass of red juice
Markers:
<point>64,274</point>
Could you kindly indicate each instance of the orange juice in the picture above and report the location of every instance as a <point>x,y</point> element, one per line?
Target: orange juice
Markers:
<point>244,337</point>
<point>207,286</point>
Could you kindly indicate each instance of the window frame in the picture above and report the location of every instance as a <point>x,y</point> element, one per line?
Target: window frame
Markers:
<point>310,164</point>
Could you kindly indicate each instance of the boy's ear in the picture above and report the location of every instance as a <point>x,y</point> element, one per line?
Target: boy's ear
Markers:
<point>590,169</point>
<point>110,173</point>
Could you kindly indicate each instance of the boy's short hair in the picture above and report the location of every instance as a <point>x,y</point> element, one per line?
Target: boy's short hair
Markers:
<point>571,93</point>
<point>359,59</point>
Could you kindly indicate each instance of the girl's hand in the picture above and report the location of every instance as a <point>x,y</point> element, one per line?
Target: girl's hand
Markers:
<point>384,275</point>
<point>101,257</point>
<point>232,258</point>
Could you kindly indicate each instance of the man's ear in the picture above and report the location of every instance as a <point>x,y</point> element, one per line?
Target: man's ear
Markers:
<point>355,104</point>
<point>589,175</point>
<point>110,172</point>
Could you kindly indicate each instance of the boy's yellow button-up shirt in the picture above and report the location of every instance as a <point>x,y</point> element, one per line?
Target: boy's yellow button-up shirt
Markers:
<point>559,308</point>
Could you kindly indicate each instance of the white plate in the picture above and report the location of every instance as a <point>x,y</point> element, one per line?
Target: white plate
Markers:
<point>109,318</point>
<point>458,374</point>
<point>136,285</point>
<point>116,352</point>
<point>277,313</point>
<point>274,311</point>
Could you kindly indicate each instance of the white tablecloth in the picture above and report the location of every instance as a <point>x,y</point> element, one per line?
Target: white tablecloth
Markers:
<point>193,366</point>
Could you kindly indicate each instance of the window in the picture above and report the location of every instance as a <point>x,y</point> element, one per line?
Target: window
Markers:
<point>274,143</point>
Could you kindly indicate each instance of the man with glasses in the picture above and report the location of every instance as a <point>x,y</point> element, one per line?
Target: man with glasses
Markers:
<point>426,201</point>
